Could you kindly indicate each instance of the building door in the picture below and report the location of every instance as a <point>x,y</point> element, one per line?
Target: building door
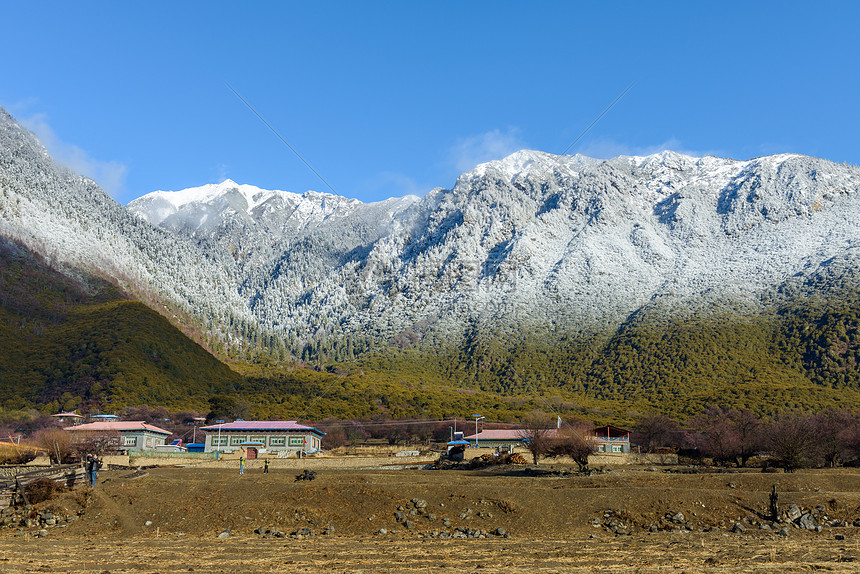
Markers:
<point>252,452</point>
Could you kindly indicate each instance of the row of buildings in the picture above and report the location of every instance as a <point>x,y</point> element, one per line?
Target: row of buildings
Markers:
<point>606,439</point>
<point>279,438</point>
<point>288,438</point>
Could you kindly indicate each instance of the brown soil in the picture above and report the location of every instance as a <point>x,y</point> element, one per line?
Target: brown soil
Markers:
<point>548,519</point>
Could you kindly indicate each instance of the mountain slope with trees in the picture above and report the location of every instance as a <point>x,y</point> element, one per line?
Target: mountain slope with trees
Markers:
<point>611,287</point>
<point>69,340</point>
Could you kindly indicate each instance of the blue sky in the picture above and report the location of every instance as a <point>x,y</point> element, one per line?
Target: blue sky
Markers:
<point>390,98</point>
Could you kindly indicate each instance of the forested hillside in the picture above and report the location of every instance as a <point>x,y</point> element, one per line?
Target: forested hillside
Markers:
<point>69,340</point>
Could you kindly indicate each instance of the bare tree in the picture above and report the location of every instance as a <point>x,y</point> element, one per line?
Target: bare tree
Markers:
<point>536,429</point>
<point>748,428</point>
<point>837,430</point>
<point>355,431</point>
<point>655,430</point>
<point>726,434</point>
<point>714,436</point>
<point>572,440</point>
<point>100,444</point>
<point>335,433</point>
<point>57,442</point>
<point>792,439</point>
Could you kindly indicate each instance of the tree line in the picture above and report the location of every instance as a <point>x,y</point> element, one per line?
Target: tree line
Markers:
<point>719,435</point>
<point>729,436</point>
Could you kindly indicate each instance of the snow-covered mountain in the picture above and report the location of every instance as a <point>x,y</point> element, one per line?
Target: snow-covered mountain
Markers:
<point>531,243</point>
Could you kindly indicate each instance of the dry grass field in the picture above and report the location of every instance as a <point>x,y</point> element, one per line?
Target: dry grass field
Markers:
<point>168,520</point>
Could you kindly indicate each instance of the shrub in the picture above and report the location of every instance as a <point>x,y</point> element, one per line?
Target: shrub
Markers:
<point>43,489</point>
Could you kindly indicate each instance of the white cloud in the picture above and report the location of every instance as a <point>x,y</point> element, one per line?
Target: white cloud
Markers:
<point>607,148</point>
<point>110,175</point>
<point>468,152</point>
<point>393,184</point>
<point>221,173</point>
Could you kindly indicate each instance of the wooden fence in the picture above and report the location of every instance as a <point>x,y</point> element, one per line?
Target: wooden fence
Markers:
<point>13,490</point>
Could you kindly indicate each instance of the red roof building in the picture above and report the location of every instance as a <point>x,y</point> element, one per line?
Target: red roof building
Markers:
<point>610,439</point>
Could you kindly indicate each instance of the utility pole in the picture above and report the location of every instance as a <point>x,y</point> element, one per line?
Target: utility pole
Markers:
<point>477,418</point>
<point>218,447</point>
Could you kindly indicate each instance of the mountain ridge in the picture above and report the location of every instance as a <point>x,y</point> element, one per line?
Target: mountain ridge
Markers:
<point>588,264</point>
<point>521,230</point>
<point>567,243</point>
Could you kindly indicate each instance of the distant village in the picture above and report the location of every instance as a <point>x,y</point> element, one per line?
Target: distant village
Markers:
<point>109,434</point>
<point>721,436</point>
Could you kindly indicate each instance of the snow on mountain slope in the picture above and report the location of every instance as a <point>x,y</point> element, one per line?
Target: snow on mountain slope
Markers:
<point>73,223</point>
<point>536,241</point>
<point>202,207</point>
<point>529,243</point>
<point>572,243</point>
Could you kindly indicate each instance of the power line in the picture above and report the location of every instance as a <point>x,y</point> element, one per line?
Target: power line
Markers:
<point>280,137</point>
<point>598,118</point>
<point>398,422</point>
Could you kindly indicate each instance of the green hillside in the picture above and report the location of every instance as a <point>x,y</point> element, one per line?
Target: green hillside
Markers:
<point>70,343</point>
<point>804,357</point>
<point>79,343</point>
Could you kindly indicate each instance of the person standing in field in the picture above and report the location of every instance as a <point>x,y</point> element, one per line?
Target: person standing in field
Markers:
<point>266,467</point>
<point>241,465</point>
<point>92,466</point>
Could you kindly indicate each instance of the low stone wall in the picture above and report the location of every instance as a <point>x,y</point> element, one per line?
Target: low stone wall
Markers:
<point>115,459</point>
<point>374,450</point>
<point>15,469</point>
<point>631,458</point>
<point>320,463</point>
<point>161,461</point>
<point>174,458</point>
<point>386,460</point>
<point>36,521</point>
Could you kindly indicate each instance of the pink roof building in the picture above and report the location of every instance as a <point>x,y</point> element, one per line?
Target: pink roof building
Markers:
<point>120,435</point>
<point>270,436</point>
<point>108,426</point>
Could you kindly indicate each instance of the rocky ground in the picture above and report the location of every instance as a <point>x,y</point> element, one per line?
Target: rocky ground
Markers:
<point>497,519</point>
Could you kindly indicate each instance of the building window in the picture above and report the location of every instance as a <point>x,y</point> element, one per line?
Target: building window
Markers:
<point>258,438</point>
<point>297,441</point>
<point>129,441</point>
<point>219,441</point>
<point>601,448</point>
<point>616,448</point>
<point>236,440</point>
<point>277,441</point>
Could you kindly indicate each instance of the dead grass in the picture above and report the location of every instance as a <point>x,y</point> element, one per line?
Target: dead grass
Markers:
<point>548,518</point>
<point>43,489</point>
